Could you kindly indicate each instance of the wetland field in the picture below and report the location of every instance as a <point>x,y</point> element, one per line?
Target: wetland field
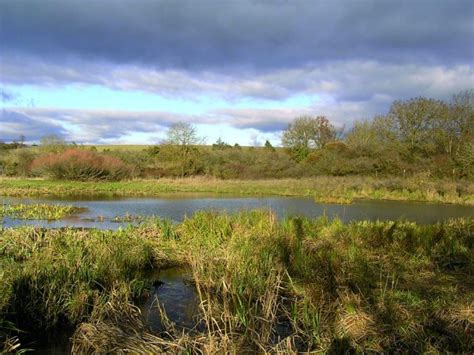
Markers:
<point>190,269</point>
<point>243,177</point>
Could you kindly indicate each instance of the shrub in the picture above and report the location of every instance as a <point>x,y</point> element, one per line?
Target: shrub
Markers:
<point>77,164</point>
<point>16,162</point>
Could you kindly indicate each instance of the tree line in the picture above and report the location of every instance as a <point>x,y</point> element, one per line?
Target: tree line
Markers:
<point>416,136</point>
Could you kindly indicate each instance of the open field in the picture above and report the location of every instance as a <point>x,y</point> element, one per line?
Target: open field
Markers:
<point>330,189</point>
<point>264,285</point>
<point>121,147</point>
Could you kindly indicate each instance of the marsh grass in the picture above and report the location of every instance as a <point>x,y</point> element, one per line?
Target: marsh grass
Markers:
<point>331,189</point>
<point>38,211</point>
<point>265,286</point>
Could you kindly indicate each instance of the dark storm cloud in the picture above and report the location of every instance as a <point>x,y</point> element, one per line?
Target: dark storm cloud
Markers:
<point>233,35</point>
<point>352,57</point>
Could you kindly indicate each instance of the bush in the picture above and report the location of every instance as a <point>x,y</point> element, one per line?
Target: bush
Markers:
<point>250,164</point>
<point>16,162</point>
<point>77,164</point>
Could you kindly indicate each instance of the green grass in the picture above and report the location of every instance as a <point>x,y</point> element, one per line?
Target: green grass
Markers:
<point>37,211</point>
<point>363,286</point>
<point>331,189</point>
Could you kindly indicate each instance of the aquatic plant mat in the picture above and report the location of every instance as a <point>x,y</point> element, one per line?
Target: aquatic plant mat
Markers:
<point>262,285</point>
<point>38,211</point>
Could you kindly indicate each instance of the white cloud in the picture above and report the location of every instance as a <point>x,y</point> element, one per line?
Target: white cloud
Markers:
<point>343,80</point>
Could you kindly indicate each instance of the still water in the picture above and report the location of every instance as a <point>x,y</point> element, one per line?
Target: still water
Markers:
<point>100,212</point>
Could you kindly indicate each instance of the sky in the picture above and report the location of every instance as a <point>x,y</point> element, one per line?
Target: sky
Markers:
<point>123,71</point>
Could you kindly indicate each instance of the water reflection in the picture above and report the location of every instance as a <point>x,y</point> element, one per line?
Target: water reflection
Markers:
<point>101,212</point>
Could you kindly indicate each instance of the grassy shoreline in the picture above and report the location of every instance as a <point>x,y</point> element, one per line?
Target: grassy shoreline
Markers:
<point>323,189</point>
<point>357,287</point>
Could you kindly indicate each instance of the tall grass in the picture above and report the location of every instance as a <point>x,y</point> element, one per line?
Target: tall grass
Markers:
<point>57,276</point>
<point>325,189</point>
<point>265,286</point>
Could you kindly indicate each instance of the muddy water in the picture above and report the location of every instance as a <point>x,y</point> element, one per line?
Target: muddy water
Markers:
<point>101,212</point>
<point>173,292</point>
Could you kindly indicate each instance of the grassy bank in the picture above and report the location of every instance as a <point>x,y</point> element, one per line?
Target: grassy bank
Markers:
<point>330,189</point>
<point>264,285</point>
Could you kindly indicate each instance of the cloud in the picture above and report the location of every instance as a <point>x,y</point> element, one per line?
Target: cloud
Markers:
<point>351,58</point>
<point>263,120</point>
<point>106,126</point>
<point>7,96</point>
<point>344,80</point>
<point>342,91</point>
<point>258,49</point>
<point>16,124</point>
<point>90,126</point>
<point>273,121</point>
<point>259,35</point>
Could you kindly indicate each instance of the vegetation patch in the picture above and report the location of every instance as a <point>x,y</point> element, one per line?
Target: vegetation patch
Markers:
<point>38,211</point>
<point>342,200</point>
<point>265,285</point>
<point>323,188</point>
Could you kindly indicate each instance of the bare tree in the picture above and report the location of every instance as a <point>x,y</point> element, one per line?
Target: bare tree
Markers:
<point>417,118</point>
<point>461,117</point>
<point>52,143</point>
<point>308,132</point>
<point>184,136</point>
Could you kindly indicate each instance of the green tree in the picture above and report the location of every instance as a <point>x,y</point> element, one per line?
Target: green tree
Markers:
<point>269,146</point>
<point>306,133</point>
<point>220,144</point>
<point>466,160</point>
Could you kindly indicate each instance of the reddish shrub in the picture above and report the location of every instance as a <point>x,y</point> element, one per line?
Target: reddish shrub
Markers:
<point>78,164</point>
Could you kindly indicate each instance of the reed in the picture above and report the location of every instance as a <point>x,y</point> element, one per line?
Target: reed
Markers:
<point>265,285</point>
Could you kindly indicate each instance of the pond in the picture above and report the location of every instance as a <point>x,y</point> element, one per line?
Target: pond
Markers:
<point>100,212</point>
